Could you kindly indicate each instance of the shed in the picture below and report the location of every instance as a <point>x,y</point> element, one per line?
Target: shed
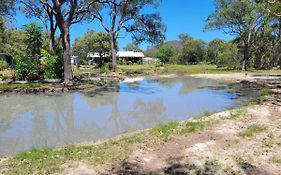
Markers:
<point>134,57</point>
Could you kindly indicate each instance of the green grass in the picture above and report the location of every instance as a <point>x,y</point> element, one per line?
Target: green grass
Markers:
<point>194,126</point>
<point>264,93</point>
<point>252,130</point>
<point>21,86</point>
<point>45,161</point>
<point>135,67</point>
<point>164,131</point>
<point>187,69</point>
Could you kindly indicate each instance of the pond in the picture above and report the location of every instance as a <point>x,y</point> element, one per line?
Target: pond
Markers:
<point>39,121</point>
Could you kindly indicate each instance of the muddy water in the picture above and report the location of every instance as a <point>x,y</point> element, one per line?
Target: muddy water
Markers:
<point>38,121</point>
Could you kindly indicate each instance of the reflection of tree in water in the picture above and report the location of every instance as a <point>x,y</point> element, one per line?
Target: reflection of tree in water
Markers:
<point>188,84</point>
<point>42,120</point>
<point>193,84</point>
<point>115,123</point>
<point>147,114</point>
<point>13,106</point>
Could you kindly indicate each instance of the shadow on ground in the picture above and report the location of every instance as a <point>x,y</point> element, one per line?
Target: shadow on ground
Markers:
<point>174,168</point>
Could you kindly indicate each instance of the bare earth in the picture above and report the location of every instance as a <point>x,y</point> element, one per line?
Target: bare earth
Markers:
<point>239,77</point>
<point>217,150</point>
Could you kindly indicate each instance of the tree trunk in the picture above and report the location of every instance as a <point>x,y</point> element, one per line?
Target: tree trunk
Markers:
<point>52,40</point>
<point>68,77</point>
<point>246,57</point>
<point>113,52</point>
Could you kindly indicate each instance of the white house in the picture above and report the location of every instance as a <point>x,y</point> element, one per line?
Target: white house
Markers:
<point>148,60</point>
<point>124,56</point>
<point>94,56</point>
<point>133,57</point>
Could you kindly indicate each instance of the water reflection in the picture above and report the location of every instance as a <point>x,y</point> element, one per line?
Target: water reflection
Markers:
<point>28,121</point>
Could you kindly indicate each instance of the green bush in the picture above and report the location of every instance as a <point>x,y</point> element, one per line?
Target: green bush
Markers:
<point>52,66</point>
<point>26,68</point>
<point>106,67</point>
<point>3,65</point>
<point>3,76</point>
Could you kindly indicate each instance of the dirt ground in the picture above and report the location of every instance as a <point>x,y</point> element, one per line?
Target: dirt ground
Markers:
<point>239,77</point>
<point>219,149</point>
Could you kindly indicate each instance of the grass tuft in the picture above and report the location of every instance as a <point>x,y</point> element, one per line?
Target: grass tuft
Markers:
<point>194,126</point>
<point>252,130</point>
<point>164,131</point>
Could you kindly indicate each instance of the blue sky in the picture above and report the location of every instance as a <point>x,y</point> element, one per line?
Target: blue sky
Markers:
<point>180,16</point>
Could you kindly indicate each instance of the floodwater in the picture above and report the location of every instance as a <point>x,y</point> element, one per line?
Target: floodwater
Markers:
<point>39,121</point>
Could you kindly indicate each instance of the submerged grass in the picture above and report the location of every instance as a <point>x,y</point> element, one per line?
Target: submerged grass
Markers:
<point>252,130</point>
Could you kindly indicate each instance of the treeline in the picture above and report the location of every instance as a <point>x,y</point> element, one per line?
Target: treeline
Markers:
<point>59,16</point>
<point>256,27</point>
<point>188,50</point>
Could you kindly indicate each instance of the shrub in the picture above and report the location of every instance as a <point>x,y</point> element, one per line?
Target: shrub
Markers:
<point>26,68</point>
<point>3,65</point>
<point>52,65</point>
<point>106,67</point>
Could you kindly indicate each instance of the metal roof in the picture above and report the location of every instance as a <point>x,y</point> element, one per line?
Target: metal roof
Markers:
<point>125,54</point>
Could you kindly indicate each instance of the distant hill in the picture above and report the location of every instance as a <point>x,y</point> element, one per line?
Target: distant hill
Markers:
<point>150,52</point>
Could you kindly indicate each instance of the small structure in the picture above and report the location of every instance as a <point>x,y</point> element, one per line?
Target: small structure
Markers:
<point>75,60</point>
<point>128,56</point>
<point>94,57</point>
<point>148,60</point>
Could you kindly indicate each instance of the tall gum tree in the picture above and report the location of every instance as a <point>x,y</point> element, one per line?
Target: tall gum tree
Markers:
<point>43,12</point>
<point>67,13</point>
<point>128,15</point>
<point>241,18</point>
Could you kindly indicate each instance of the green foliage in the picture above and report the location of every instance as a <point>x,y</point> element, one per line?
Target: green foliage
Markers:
<point>132,47</point>
<point>192,52</point>
<point>165,53</point>
<point>223,54</point>
<point>164,131</point>
<point>106,67</point>
<point>52,65</point>
<point>92,42</point>
<point>184,37</point>
<point>252,130</point>
<point>26,68</point>
<point>194,126</point>
<point>34,40</point>
<point>3,65</point>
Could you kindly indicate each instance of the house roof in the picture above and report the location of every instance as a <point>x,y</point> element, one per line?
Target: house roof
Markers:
<point>96,55</point>
<point>125,54</point>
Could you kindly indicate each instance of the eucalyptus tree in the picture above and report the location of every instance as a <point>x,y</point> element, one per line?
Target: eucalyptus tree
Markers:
<point>132,47</point>
<point>129,16</point>
<point>241,18</point>
<point>65,13</point>
<point>7,8</point>
<point>43,12</point>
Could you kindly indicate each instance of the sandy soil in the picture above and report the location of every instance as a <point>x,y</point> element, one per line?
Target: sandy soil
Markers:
<point>238,77</point>
<point>219,149</point>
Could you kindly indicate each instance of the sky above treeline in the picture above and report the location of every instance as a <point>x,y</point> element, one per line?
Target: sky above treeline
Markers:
<point>180,16</point>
